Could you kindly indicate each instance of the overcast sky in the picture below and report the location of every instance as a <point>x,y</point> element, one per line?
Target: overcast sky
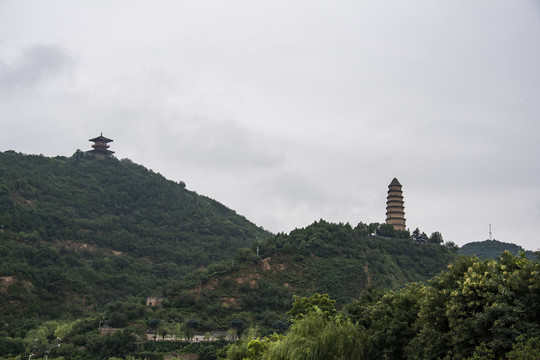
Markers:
<point>293,111</point>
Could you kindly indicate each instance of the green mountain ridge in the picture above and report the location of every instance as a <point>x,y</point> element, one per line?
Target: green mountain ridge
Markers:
<point>322,258</point>
<point>80,232</point>
<point>493,249</point>
<point>84,242</point>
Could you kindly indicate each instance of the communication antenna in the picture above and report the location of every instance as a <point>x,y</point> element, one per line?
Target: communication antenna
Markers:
<point>490,232</point>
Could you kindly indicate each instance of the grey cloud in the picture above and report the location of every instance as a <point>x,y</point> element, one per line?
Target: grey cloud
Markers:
<point>224,145</point>
<point>289,114</point>
<point>195,144</point>
<point>32,67</point>
<point>294,188</point>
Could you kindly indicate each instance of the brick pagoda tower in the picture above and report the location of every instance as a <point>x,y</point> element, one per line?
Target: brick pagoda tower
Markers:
<point>395,210</point>
<point>101,148</point>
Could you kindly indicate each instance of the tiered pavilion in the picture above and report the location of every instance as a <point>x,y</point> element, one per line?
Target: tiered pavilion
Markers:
<point>101,146</point>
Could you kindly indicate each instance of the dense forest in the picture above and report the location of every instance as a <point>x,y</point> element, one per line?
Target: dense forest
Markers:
<point>81,232</point>
<point>475,310</point>
<point>338,259</point>
<point>85,241</point>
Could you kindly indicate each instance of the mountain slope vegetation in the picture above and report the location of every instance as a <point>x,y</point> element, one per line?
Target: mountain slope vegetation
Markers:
<point>475,310</point>
<point>324,257</point>
<point>85,240</point>
<point>493,249</point>
<point>79,232</point>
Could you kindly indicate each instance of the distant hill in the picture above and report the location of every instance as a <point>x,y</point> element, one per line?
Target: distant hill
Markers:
<point>80,232</point>
<point>493,249</point>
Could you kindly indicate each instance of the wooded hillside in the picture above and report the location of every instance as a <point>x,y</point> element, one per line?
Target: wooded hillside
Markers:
<point>86,239</point>
<point>336,259</point>
<point>493,249</point>
<point>80,232</point>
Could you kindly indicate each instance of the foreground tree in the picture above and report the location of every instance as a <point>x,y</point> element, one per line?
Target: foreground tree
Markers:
<point>246,348</point>
<point>238,326</point>
<point>436,238</point>
<point>389,319</point>
<point>303,306</point>
<point>318,336</point>
<point>476,310</point>
<point>318,332</point>
<point>525,349</point>
<point>191,327</point>
<point>118,344</point>
<point>478,301</point>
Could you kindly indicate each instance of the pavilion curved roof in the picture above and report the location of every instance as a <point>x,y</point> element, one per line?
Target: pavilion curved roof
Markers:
<point>101,138</point>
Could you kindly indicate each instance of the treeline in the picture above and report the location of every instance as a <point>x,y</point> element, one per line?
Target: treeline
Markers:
<point>477,309</point>
<point>80,340</point>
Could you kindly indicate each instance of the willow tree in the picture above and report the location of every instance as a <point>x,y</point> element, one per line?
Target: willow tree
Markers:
<point>319,336</point>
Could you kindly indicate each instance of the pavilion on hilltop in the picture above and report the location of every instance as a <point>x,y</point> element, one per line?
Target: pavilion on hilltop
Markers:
<point>101,146</point>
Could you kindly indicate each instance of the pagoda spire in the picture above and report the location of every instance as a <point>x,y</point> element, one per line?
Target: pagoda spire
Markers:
<point>395,209</point>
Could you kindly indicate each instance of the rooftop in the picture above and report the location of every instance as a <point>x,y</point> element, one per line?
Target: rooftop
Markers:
<point>101,138</point>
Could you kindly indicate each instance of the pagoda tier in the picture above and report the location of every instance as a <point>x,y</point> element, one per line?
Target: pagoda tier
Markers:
<point>101,147</point>
<point>395,209</point>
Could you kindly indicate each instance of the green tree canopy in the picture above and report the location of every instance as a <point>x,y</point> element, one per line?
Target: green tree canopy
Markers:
<point>303,306</point>
<point>478,301</point>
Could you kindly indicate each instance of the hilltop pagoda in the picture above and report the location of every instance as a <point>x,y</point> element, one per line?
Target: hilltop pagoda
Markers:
<point>101,147</point>
<point>395,210</point>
